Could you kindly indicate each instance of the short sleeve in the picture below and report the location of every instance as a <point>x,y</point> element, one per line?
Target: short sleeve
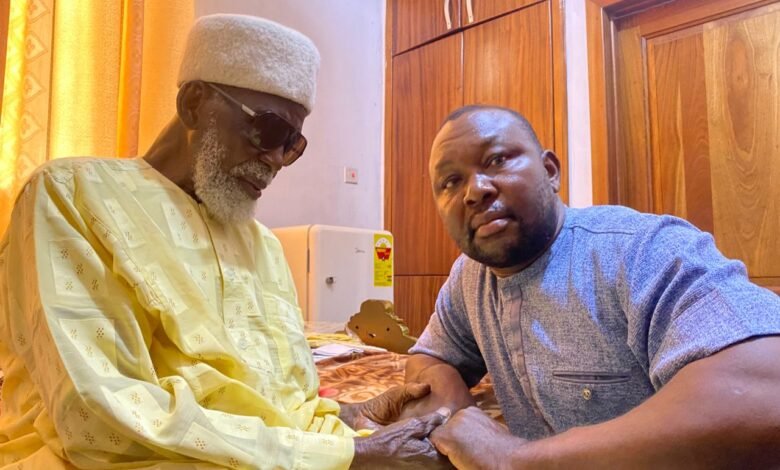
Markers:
<point>449,335</point>
<point>685,301</point>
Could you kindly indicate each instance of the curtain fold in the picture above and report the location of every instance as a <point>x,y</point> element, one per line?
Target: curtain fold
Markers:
<point>24,125</point>
<point>130,78</point>
<point>86,78</point>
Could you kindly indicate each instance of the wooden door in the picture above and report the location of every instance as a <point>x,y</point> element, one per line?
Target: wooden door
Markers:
<point>427,84</point>
<point>508,62</point>
<point>697,119</point>
<point>477,11</point>
<point>416,22</point>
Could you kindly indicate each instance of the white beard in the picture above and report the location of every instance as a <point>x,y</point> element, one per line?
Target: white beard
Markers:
<point>220,191</point>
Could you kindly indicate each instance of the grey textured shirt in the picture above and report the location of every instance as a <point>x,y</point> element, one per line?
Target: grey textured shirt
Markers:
<point>607,316</point>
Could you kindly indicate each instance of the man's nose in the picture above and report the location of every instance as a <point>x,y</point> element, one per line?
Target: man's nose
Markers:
<point>479,189</point>
<point>273,158</point>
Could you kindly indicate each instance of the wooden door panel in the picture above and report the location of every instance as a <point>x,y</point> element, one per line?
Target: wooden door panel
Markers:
<point>680,129</point>
<point>671,16</point>
<point>427,85</point>
<point>633,162</point>
<point>482,10</point>
<point>418,21</point>
<point>508,62</point>
<point>415,299</point>
<point>742,57</point>
<point>696,122</point>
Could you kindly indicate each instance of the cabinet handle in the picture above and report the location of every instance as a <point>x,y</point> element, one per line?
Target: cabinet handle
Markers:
<point>447,18</point>
<point>470,11</point>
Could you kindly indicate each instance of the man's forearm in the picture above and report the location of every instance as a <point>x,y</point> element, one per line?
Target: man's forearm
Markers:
<point>447,386</point>
<point>711,415</point>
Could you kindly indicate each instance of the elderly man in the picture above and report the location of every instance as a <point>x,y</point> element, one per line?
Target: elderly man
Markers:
<point>614,339</point>
<point>146,319</point>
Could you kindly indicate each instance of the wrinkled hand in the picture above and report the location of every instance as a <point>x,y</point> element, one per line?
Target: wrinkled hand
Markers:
<point>384,409</point>
<point>423,406</point>
<point>403,444</point>
<point>473,440</point>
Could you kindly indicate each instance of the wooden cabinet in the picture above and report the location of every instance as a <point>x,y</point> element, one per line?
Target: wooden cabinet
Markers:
<point>476,11</point>
<point>427,85</point>
<point>419,299</point>
<point>507,61</point>
<point>695,93</point>
<point>415,22</point>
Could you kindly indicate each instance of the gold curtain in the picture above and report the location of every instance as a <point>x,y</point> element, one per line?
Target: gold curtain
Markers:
<point>86,78</point>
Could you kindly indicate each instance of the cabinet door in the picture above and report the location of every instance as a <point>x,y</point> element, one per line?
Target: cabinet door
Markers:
<point>475,11</point>
<point>508,62</point>
<point>418,21</point>
<point>415,300</point>
<point>427,85</point>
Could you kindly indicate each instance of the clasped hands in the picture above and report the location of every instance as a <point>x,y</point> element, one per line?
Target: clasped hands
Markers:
<point>469,439</point>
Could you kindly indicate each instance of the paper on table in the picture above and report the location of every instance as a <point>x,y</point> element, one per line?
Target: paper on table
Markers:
<point>338,350</point>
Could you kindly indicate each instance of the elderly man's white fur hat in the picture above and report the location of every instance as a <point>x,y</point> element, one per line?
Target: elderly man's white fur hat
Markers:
<point>254,53</point>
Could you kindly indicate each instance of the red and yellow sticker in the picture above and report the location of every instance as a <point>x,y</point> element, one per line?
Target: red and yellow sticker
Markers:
<point>383,260</point>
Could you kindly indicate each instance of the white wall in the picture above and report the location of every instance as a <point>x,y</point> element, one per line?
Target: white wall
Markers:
<point>346,126</point>
<point>580,173</point>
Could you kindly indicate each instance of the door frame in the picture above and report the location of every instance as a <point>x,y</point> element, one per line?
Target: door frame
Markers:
<point>601,16</point>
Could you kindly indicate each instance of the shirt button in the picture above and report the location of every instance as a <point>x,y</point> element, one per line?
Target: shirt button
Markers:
<point>586,393</point>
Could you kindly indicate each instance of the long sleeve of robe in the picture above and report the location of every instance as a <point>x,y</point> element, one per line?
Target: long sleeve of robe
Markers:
<point>137,331</point>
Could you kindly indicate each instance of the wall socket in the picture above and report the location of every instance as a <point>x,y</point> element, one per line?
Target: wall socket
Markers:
<point>350,175</point>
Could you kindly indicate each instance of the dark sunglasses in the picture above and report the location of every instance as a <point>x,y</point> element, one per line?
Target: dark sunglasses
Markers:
<point>270,131</point>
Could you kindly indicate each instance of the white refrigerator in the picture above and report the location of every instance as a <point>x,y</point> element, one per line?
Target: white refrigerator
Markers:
<point>337,268</point>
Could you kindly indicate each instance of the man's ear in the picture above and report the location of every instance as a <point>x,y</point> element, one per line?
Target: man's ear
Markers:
<point>189,103</point>
<point>553,167</point>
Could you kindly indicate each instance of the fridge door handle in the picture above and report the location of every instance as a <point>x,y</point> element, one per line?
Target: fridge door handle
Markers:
<point>447,17</point>
<point>470,11</point>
